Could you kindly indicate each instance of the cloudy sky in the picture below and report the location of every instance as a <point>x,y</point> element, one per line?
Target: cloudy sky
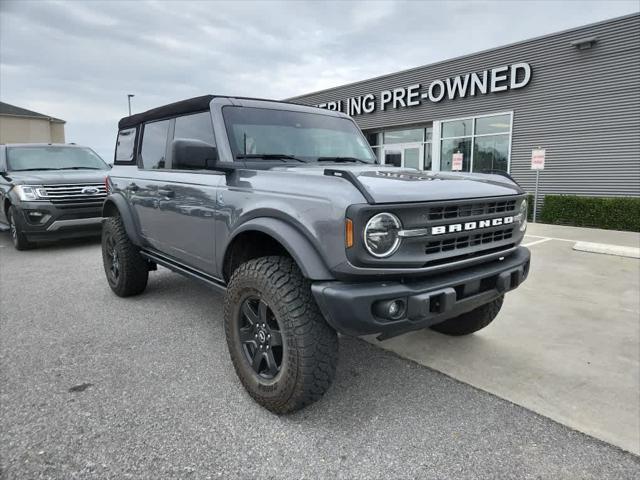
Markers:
<point>78,60</point>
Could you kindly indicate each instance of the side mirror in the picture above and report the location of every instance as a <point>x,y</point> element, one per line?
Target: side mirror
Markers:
<point>191,154</point>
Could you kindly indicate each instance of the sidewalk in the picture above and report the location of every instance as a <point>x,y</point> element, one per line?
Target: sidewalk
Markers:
<point>613,237</point>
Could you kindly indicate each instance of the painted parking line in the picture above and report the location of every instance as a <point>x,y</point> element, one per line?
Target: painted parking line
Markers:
<point>551,238</point>
<point>544,239</point>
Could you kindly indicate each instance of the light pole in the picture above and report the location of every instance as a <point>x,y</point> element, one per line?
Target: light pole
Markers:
<point>129,96</point>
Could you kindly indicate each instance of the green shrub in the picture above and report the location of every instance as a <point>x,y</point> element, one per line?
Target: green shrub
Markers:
<point>612,213</point>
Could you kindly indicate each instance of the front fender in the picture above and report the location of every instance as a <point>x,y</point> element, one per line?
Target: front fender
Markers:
<point>296,244</point>
<point>116,204</point>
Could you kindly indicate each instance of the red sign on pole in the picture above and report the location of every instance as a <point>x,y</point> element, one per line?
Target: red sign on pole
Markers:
<point>537,159</point>
<point>456,162</point>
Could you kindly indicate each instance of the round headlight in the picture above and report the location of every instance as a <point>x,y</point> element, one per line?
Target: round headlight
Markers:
<point>381,234</point>
<point>523,215</point>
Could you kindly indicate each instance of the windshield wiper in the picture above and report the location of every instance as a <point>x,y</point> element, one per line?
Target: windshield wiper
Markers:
<point>341,159</point>
<point>33,169</point>
<point>269,156</point>
<point>80,168</point>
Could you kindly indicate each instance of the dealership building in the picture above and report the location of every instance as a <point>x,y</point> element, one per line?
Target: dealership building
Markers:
<point>574,94</point>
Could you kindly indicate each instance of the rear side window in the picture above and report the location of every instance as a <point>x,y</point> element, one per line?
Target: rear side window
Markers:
<point>154,145</point>
<point>125,145</point>
<point>196,127</point>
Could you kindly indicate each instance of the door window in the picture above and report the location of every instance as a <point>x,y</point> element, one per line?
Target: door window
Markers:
<point>125,144</point>
<point>154,145</point>
<point>195,127</point>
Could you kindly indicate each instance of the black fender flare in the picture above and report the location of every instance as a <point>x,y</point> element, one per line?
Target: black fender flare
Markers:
<point>295,243</point>
<point>116,203</point>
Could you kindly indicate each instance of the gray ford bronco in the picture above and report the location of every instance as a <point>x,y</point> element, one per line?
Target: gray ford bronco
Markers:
<point>284,208</point>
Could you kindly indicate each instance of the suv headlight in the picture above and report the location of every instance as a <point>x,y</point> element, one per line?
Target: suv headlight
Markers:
<point>28,193</point>
<point>381,234</point>
<point>523,215</point>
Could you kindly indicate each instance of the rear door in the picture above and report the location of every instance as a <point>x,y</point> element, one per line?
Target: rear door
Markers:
<point>144,192</point>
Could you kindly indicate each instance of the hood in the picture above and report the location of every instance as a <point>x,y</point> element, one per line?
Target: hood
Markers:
<point>46,177</point>
<point>396,185</point>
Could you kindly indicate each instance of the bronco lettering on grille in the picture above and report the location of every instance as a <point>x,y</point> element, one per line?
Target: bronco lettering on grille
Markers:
<point>459,227</point>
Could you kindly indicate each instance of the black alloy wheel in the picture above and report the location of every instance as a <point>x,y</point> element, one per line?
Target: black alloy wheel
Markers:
<point>126,270</point>
<point>112,258</point>
<point>18,238</point>
<point>260,337</point>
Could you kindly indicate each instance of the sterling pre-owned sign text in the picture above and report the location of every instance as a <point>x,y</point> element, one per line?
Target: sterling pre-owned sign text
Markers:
<point>498,79</point>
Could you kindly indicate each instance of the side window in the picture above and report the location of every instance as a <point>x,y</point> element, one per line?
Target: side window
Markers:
<point>197,127</point>
<point>125,144</point>
<point>154,144</point>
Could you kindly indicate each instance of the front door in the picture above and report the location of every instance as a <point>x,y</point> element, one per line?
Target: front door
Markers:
<point>408,155</point>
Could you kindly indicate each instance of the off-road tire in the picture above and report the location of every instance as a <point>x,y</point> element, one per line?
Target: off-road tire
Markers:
<point>18,238</point>
<point>472,321</point>
<point>310,345</point>
<point>133,270</point>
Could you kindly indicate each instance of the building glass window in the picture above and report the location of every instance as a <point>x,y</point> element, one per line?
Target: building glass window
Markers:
<point>482,141</point>
<point>374,141</point>
<point>456,145</point>
<point>491,152</point>
<point>493,124</point>
<point>404,136</point>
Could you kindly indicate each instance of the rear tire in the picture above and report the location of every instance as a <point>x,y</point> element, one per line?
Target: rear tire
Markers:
<point>472,321</point>
<point>283,351</point>
<point>18,237</point>
<point>127,271</point>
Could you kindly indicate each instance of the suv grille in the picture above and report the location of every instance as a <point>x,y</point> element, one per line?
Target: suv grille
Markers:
<point>452,212</point>
<point>83,193</point>
<point>465,243</point>
<point>468,241</point>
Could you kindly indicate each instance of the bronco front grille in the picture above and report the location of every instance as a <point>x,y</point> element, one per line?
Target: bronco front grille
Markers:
<point>74,193</point>
<point>451,212</point>
<point>466,241</point>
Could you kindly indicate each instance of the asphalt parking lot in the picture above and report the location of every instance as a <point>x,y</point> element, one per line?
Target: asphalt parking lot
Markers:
<point>94,386</point>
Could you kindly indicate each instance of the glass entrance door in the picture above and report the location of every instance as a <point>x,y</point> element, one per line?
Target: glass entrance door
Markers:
<point>404,155</point>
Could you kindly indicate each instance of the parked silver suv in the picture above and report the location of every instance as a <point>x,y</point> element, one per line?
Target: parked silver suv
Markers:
<point>285,209</point>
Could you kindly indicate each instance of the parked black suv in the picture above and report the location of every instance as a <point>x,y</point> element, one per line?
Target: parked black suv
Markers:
<point>284,208</point>
<point>50,191</point>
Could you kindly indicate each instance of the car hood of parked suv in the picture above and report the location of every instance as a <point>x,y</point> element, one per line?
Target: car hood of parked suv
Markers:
<point>52,177</point>
<point>389,184</point>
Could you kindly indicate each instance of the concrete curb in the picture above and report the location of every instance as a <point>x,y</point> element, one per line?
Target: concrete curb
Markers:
<point>606,249</point>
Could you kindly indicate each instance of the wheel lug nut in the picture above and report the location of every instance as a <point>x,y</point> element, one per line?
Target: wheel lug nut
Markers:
<point>267,347</point>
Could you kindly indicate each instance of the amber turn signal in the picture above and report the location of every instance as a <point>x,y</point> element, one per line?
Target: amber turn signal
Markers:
<point>348,233</point>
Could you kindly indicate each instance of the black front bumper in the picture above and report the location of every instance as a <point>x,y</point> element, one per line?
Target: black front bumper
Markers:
<point>349,307</point>
<point>48,221</point>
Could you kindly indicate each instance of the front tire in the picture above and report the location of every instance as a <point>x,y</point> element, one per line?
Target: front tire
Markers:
<point>472,321</point>
<point>127,271</point>
<point>18,237</point>
<point>283,351</point>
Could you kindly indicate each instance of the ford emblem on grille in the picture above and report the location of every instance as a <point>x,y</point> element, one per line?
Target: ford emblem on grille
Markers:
<point>90,190</point>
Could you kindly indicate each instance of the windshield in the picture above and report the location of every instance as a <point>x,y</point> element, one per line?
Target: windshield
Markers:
<point>53,158</point>
<point>254,132</point>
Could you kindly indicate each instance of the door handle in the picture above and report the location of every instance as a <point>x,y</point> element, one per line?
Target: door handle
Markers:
<point>166,193</point>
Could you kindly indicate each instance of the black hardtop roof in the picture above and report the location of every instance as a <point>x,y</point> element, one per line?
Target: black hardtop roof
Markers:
<point>191,105</point>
